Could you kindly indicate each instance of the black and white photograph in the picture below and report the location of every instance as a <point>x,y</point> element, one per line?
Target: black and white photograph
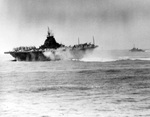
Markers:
<point>74,58</point>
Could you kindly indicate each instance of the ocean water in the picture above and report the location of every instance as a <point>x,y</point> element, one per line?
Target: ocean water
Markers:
<point>102,84</point>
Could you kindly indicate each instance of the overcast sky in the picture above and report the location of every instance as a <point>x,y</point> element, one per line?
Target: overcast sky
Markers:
<point>115,24</point>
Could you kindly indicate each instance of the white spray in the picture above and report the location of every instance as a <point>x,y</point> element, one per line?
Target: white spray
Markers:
<point>98,55</point>
<point>59,54</point>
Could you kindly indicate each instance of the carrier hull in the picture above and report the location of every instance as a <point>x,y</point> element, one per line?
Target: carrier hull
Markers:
<point>50,55</point>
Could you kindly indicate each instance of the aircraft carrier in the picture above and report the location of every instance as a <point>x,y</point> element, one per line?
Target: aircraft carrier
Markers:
<point>51,50</point>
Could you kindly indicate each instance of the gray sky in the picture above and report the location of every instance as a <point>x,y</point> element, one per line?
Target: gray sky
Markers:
<point>115,24</point>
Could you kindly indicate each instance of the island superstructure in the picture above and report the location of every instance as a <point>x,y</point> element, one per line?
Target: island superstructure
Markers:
<point>51,50</point>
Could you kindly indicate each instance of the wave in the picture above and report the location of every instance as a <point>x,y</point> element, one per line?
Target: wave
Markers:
<point>147,50</point>
<point>133,59</point>
<point>96,59</point>
<point>57,88</point>
<point>112,59</point>
<point>115,55</point>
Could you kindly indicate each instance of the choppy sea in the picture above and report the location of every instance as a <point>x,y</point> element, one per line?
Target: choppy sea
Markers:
<point>103,84</point>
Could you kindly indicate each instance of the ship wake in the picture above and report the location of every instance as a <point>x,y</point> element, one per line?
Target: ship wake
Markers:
<point>97,56</point>
<point>114,55</point>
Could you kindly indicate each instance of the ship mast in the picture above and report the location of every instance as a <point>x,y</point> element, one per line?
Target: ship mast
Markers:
<point>48,32</point>
<point>93,41</point>
<point>78,41</point>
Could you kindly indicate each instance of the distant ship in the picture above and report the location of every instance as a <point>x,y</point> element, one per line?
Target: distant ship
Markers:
<point>134,49</point>
<point>51,50</point>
